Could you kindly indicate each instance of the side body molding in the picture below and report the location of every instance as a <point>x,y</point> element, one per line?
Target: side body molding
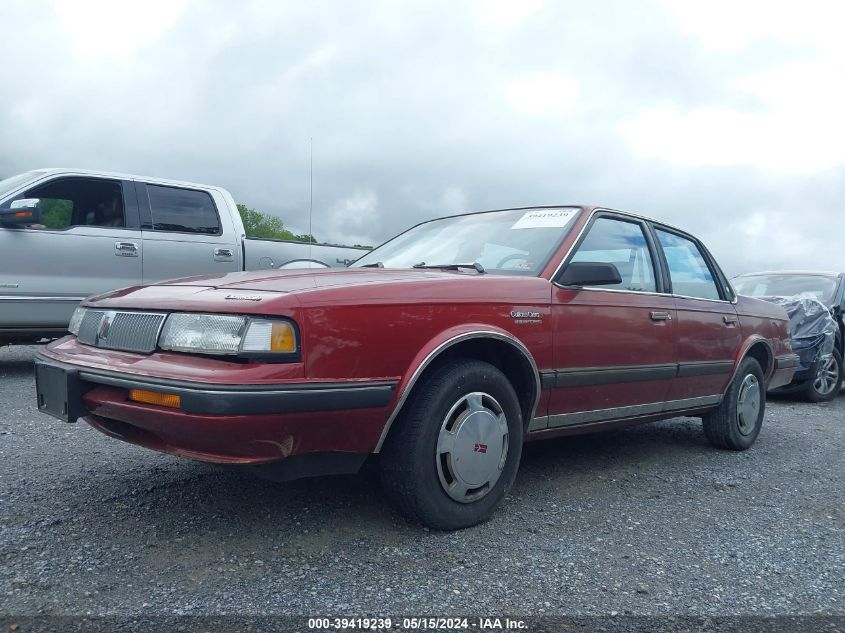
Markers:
<point>450,339</point>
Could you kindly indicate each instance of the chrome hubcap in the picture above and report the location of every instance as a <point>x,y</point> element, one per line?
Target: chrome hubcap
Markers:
<point>827,375</point>
<point>748,404</point>
<point>472,447</point>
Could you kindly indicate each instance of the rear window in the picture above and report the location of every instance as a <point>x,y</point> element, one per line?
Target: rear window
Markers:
<point>183,210</point>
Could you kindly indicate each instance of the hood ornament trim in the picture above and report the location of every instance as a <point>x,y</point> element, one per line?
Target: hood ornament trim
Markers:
<point>243,298</point>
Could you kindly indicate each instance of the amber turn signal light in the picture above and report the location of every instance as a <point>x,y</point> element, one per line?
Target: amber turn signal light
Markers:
<point>264,335</point>
<point>282,338</point>
<point>151,397</point>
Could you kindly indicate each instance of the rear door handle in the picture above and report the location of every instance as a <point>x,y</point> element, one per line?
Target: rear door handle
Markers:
<point>223,254</point>
<point>126,249</point>
<point>661,316</point>
<point>730,320</point>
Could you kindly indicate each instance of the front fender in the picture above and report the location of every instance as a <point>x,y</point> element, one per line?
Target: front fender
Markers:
<point>439,344</point>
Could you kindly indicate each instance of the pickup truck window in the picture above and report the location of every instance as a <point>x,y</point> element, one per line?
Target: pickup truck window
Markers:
<point>183,210</point>
<point>70,202</point>
<point>623,244</point>
<point>688,269</point>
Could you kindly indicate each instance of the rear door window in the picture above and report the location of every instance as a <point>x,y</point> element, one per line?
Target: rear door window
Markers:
<point>688,270</point>
<point>183,210</point>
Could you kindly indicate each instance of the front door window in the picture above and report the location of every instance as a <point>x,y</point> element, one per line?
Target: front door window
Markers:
<point>71,202</point>
<point>624,245</point>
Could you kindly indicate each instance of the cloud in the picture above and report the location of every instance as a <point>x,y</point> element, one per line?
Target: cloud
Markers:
<point>796,127</point>
<point>419,109</point>
<point>103,27</point>
<point>506,14</point>
<point>454,200</point>
<point>350,220</point>
<point>544,92</point>
<point>784,117</point>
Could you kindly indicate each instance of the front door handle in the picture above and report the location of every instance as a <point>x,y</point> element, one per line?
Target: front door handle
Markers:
<point>730,320</point>
<point>660,316</point>
<point>126,249</point>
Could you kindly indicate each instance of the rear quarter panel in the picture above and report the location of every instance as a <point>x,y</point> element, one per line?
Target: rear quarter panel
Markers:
<point>761,320</point>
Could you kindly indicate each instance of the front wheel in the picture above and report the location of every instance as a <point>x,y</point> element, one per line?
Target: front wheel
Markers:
<point>453,452</point>
<point>827,382</point>
<point>736,422</point>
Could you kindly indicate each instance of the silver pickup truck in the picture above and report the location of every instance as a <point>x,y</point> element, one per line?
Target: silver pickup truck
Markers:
<point>69,233</point>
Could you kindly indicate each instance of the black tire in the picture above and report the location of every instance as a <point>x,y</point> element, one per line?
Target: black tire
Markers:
<point>814,391</point>
<point>412,467</point>
<point>728,425</point>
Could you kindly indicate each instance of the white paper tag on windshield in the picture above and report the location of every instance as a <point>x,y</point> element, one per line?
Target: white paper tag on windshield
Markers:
<point>545,218</point>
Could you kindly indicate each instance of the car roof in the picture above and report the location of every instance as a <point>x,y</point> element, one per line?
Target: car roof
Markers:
<point>74,171</point>
<point>588,208</point>
<point>815,273</point>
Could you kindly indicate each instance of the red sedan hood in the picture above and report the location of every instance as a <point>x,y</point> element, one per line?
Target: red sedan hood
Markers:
<point>255,292</point>
<point>299,280</point>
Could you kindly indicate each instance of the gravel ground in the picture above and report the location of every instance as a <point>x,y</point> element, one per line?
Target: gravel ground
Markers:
<point>644,521</point>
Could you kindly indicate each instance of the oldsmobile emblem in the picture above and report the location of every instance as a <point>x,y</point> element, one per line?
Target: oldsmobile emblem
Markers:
<point>243,298</point>
<point>105,326</point>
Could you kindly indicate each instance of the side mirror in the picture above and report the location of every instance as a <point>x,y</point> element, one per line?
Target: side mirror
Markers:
<point>23,212</point>
<point>590,274</point>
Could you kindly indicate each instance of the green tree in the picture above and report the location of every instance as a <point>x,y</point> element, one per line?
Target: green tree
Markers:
<point>55,213</point>
<point>259,224</point>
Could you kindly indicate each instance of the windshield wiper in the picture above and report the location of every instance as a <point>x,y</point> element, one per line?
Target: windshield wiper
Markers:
<point>373,265</point>
<point>474,265</point>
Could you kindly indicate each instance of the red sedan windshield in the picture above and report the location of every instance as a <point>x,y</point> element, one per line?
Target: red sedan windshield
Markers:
<point>512,242</point>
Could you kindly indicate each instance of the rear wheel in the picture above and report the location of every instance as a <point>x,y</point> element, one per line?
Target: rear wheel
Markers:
<point>453,452</point>
<point>735,423</point>
<point>827,382</point>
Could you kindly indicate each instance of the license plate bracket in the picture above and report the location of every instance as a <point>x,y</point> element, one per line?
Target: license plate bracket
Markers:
<point>59,392</point>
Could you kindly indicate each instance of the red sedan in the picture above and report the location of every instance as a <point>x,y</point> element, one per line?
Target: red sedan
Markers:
<point>437,354</point>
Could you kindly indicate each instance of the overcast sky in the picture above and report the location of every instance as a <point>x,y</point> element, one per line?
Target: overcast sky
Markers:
<point>726,118</point>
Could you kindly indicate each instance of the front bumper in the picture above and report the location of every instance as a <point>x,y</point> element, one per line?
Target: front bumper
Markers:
<point>220,423</point>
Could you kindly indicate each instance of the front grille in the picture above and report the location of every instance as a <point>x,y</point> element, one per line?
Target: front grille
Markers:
<point>125,331</point>
<point>89,326</point>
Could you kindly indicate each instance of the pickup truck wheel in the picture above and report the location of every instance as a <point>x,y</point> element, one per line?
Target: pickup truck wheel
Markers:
<point>827,382</point>
<point>453,452</point>
<point>736,422</point>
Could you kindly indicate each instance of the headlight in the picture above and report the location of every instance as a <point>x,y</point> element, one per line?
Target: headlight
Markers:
<point>806,341</point>
<point>220,334</point>
<point>76,320</point>
<point>202,333</point>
